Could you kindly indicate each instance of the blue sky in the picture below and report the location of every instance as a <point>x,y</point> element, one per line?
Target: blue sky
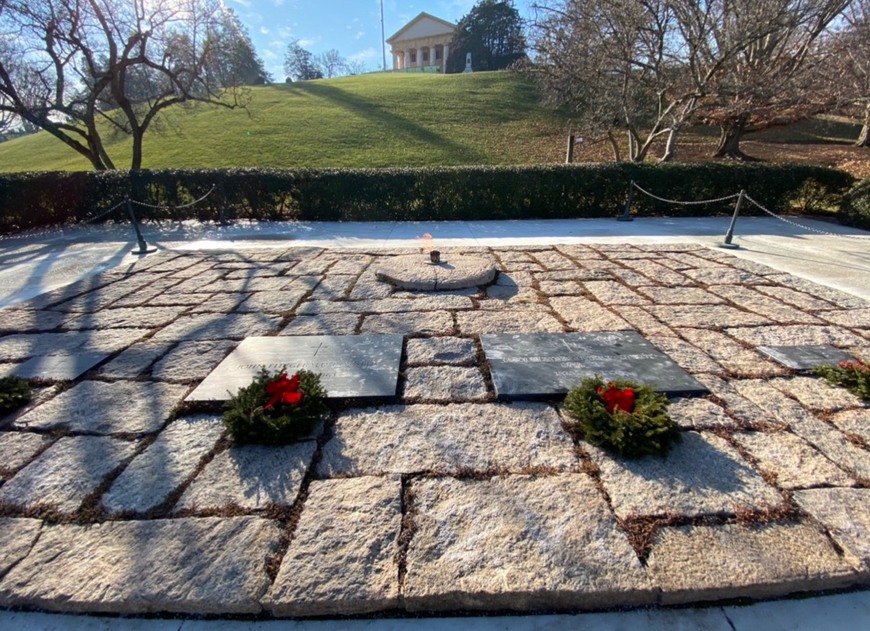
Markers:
<point>353,27</point>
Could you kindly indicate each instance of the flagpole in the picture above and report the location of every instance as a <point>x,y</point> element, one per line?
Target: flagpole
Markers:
<point>383,41</point>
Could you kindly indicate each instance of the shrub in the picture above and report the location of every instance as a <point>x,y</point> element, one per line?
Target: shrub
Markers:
<point>645,430</point>
<point>855,209</point>
<point>854,376</point>
<point>30,200</point>
<point>259,413</point>
<point>14,392</point>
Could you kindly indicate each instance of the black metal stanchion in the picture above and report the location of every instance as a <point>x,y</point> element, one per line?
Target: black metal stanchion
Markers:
<point>143,247</point>
<point>730,234</point>
<point>626,214</point>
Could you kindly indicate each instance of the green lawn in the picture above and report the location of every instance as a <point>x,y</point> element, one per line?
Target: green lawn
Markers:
<point>376,120</point>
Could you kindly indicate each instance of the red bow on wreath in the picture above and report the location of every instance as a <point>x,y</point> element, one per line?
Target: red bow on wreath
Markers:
<point>283,390</point>
<point>617,398</point>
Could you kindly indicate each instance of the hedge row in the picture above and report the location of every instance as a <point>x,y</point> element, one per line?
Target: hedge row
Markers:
<point>29,200</point>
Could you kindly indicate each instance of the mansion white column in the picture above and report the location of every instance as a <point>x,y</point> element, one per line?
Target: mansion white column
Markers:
<point>407,60</point>
<point>444,58</point>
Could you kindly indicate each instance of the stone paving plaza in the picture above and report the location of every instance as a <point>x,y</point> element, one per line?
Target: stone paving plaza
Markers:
<point>116,496</point>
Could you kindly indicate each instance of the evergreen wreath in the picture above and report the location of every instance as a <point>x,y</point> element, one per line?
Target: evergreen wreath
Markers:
<point>275,409</point>
<point>14,392</point>
<point>622,416</point>
<point>852,375</point>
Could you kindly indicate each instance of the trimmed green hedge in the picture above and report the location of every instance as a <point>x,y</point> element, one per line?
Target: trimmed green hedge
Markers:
<point>855,210</point>
<point>538,192</point>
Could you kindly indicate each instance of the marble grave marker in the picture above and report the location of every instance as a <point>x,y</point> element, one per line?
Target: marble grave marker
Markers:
<point>351,366</point>
<point>807,357</point>
<point>539,365</point>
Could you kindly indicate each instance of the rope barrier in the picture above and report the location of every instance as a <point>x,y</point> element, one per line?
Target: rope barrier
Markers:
<point>737,211</point>
<point>674,201</point>
<point>193,203</point>
<point>101,215</point>
<point>801,226</point>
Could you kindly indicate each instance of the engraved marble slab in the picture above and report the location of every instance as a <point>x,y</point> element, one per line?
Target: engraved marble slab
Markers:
<point>539,365</point>
<point>807,357</point>
<point>59,367</point>
<point>352,366</point>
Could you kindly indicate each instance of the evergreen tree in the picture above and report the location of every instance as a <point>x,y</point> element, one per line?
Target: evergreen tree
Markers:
<point>300,64</point>
<point>493,33</point>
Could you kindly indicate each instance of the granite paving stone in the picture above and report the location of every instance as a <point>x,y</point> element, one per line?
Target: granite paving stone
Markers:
<point>445,383</point>
<point>795,335</point>
<point>702,475</point>
<point>583,316</point>
<point>66,473</point>
<point>507,295</point>
<point>349,263</point>
<point>737,405</point>
<point>686,355</point>
<point>824,437</point>
<point>24,345</point>
<point>17,537</point>
<point>125,407</point>
<point>424,323</point>
<point>134,360</point>
<point>271,301</point>
<point>218,326</point>
<point>609,292</point>
<point>730,354</point>
<point>561,288</point>
<point>17,449</point>
<point>657,272</point>
<point>130,317</point>
<point>794,463</point>
<point>333,287</point>
<point>167,463</point>
<point>323,324</point>
<point>719,275</point>
<point>680,295</point>
<point>166,299</point>
<point>816,394</point>
<point>699,414</point>
<point>576,251</point>
<point>835,296</point>
<point>705,316</point>
<point>440,350</point>
<point>217,303</point>
<point>853,318</point>
<point>208,566</point>
<point>386,305</point>
<point>643,322</point>
<point>702,563</point>
<point>796,298</point>
<point>855,422</point>
<point>554,260</point>
<point>367,287</point>
<point>252,477</point>
<point>29,320</point>
<point>343,557</point>
<point>191,361</point>
<point>846,515</point>
<point>520,543</point>
<point>446,439</point>
<point>761,304</point>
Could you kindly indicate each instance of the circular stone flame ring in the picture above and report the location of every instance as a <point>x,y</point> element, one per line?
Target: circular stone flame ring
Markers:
<point>418,272</point>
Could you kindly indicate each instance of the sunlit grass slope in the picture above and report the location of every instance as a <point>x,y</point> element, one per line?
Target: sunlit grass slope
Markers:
<point>376,120</point>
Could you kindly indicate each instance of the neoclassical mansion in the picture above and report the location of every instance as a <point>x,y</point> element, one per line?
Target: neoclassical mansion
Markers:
<point>424,42</point>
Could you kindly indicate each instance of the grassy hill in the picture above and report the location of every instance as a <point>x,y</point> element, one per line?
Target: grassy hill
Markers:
<point>376,120</point>
<point>396,120</point>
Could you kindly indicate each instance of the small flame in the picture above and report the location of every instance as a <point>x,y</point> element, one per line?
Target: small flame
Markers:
<point>425,243</point>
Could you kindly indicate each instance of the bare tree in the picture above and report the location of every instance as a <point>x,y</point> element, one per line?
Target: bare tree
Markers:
<point>650,67</point>
<point>847,65</point>
<point>70,64</point>
<point>331,63</point>
<point>769,79</point>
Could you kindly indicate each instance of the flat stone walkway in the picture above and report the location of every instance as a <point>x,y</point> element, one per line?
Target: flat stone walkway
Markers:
<point>117,497</point>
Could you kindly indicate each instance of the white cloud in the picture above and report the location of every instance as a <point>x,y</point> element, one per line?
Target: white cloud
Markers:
<point>359,35</point>
<point>264,30</point>
<point>369,54</point>
<point>268,55</point>
<point>244,3</point>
